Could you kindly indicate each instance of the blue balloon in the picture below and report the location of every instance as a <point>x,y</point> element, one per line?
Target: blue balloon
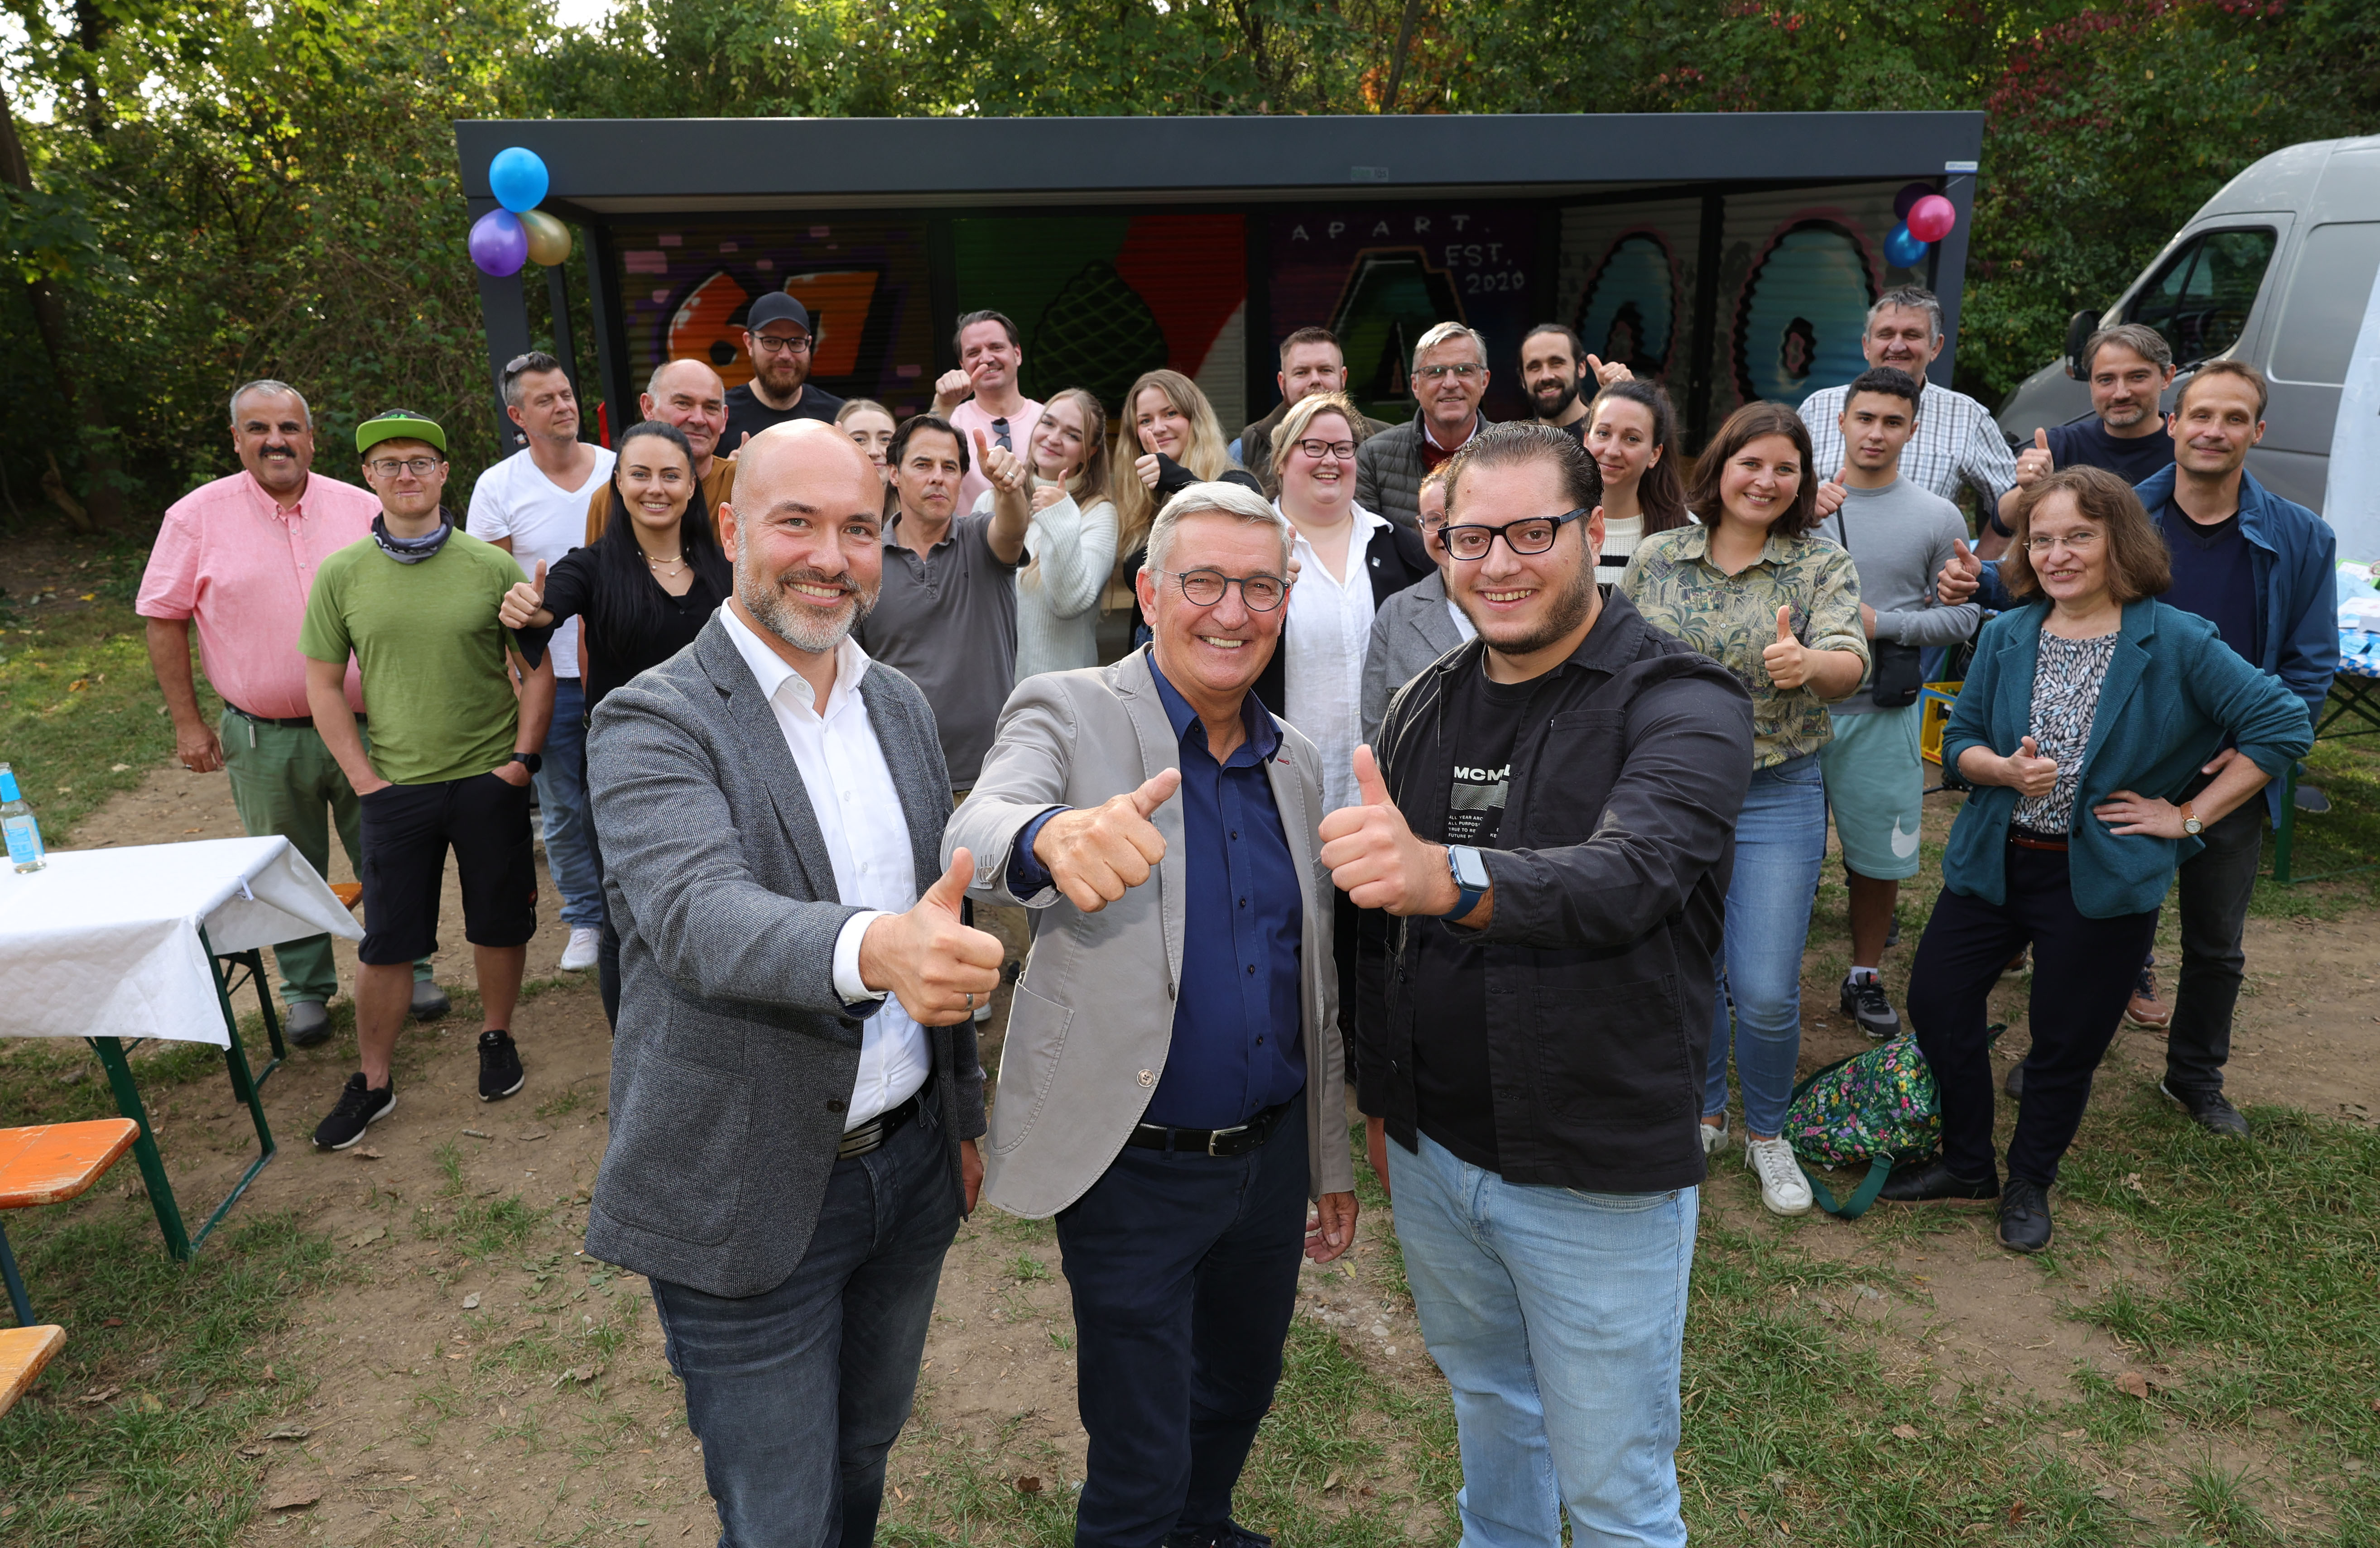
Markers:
<point>1903,251</point>
<point>518,178</point>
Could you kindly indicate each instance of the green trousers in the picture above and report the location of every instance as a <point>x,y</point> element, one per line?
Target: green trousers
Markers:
<point>285,780</point>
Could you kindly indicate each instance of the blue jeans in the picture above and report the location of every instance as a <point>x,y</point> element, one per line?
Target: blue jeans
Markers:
<point>562,796</point>
<point>797,1393</point>
<point>1183,1269</point>
<point>1780,839</point>
<point>1560,1320</point>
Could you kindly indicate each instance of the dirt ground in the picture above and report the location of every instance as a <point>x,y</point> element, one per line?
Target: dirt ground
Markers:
<point>476,1379</point>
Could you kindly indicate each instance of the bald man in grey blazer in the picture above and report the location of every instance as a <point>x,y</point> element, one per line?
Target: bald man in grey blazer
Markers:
<point>1171,1087</point>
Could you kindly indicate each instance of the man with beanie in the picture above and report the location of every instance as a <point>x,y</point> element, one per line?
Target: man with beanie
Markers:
<point>453,748</point>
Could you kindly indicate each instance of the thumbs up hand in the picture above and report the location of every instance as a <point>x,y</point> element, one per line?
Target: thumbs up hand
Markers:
<point>1000,467</point>
<point>524,605</point>
<point>1961,576</point>
<point>1607,372</point>
<point>2032,775</point>
<point>1833,493</point>
<point>952,389</point>
<point>1374,858</point>
<point>1788,659</point>
<point>1097,854</point>
<point>938,968</point>
<point>2033,461</point>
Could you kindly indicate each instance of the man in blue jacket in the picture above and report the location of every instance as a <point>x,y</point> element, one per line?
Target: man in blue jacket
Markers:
<point>2260,568</point>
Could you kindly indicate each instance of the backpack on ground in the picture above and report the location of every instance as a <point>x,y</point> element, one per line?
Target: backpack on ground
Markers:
<point>1878,1107</point>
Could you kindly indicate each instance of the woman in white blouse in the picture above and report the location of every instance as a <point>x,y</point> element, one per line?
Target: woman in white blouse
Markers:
<point>1632,433</point>
<point>1071,546</point>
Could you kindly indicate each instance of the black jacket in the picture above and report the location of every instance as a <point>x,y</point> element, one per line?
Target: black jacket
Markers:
<point>1610,886</point>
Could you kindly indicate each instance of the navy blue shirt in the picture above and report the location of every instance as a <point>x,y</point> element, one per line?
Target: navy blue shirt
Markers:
<point>1236,1048</point>
<point>2214,576</point>
<point>2086,444</point>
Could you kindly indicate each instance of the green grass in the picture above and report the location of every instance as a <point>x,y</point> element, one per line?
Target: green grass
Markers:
<point>2343,840</point>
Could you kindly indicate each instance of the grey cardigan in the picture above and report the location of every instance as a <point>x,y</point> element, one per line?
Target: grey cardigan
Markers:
<point>735,1058</point>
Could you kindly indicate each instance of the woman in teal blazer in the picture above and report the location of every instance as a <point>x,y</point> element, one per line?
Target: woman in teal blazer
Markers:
<point>2090,708</point>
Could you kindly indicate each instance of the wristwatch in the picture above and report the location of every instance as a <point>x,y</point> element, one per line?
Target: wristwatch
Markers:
<point>2190,823</point>
<point>1471,879</point>
<point>530,761</point>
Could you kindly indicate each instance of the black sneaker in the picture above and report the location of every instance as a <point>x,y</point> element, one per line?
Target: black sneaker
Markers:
<point>2025,1215</point>
<point>2211,1110</point>
<point>500,1066</point>
<point>359,1106</point>
<point>1864,1001</point>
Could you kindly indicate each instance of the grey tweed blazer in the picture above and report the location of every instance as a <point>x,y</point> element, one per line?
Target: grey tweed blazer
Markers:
<point>1410,630</point>
<point>735,1058</point>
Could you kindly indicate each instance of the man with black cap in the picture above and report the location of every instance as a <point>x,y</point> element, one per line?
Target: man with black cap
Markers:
<point>451,752</point>
<point>777,338</point>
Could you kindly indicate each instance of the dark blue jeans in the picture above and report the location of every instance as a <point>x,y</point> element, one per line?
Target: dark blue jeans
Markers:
<point>797,1393</point>
<point>1184,1273</point>
<point>562,796</point>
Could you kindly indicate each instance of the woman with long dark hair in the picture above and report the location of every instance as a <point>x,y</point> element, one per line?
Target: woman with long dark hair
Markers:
<point>1632,433</point>
<point>646,588</point>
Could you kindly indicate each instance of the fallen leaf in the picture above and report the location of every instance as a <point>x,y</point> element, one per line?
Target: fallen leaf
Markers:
<point>294,1496</point>
<point>1332,1482</point>
<point>409,1478</point>
<point>362,1152</point>
<point>1905,1431</point>
<point>479,1133</point>
<point>1028,1484</point>
<point>2018,1512</point>
<point>367,1236</point>
<point>2134,1383</point>
<point>113,1322</point>
<point>115,767</point>
<point>252,1451</point>
<point>471,1301</point>
<point>99,1395</point>
<point>292,1431</point>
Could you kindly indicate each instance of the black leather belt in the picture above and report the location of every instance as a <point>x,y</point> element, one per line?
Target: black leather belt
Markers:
<point>878,1131</point>
<point>1238,1140</point>
<point>294,722</point>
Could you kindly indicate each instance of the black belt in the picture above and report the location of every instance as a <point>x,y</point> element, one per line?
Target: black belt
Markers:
<point>294,722</point>
<point>878,1131</point>
<point>1238,1140</point>
<point>2027,837</point>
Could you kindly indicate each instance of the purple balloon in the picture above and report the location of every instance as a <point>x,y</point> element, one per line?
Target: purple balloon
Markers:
<point>1909,195</point>
<point>499,243</point>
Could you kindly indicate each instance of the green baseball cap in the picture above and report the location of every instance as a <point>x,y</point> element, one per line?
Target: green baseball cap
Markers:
<point>399,424</point>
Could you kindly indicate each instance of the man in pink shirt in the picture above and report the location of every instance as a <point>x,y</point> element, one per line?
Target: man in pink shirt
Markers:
<point>238,557</point>
<point>983,394</point>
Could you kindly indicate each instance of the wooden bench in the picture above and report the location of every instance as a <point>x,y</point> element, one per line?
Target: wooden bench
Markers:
<point>23,1352</point>
<point>48,1164</point>
<point>348,892</point>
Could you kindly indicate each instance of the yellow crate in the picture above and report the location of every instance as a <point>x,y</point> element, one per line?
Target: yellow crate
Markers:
<point>1935,718</point>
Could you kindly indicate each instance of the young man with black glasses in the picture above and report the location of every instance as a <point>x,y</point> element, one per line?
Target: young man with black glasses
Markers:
<point>453,750</point>
<point>1551,819</point>
<point>779,340</point>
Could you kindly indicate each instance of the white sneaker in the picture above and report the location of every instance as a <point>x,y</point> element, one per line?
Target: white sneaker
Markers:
<point>585,942</point>
<point>1715,1136</point>
<point>1783,1189</point>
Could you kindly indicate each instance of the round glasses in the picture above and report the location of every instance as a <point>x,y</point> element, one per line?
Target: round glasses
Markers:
<point>1534,536</point>
<point>1204,588</point>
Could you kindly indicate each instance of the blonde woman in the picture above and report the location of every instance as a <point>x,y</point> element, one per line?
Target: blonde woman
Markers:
<point>1071,546</point>
<point>1172,439</point>
<point>870,424</point>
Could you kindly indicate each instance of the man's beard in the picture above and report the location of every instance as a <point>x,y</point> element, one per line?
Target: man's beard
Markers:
<point>795,623</point>
<point>1568,612</point>
<point>1560,405</point>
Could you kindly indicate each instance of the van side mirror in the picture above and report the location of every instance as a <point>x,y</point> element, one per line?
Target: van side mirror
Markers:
<point>2079,328</point>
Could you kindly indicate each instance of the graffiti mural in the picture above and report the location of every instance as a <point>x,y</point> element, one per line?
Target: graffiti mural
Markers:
<point>1800,312</point>
<point>1628,311</point>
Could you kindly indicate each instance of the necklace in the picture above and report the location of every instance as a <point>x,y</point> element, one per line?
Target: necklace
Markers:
<point>673,564</point>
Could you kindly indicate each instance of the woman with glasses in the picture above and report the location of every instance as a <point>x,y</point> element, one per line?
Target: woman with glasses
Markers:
<point>1070,546</point>
<point>1755,590</point>
<point>2091,707</point>
<point>1632,433</point>
<point>645,587</point>
<point>1169,440</point>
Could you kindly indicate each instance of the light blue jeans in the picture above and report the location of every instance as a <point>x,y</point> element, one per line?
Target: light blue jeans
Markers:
<point>1560,1319</point>
<point>1780,839</point>
<point>562,797</point>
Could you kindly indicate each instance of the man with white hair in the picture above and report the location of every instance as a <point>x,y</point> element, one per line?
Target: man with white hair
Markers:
<point>237,557</point>
<point>1957,439</point>
<point>794,1088</point>
<point>1164,823</point>
<point>1450,377</point>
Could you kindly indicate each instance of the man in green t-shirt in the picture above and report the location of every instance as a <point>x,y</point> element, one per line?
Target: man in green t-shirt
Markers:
<point>454,745</point>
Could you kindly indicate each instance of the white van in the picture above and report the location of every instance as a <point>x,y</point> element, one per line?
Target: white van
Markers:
<point>2274,270</point>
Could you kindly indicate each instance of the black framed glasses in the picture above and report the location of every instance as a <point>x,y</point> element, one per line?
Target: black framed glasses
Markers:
<point>770,343</point>
<point>1342,450</point>
<point>1533,536</point>
<point>1204,588</point>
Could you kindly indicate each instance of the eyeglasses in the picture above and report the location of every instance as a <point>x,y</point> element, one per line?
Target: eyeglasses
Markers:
<point>770,343</point>
<point>2082,540</point>
<point>389,468</point>
<point>1317,450</point>
<point>1439,373</point>
<point>1204,588</point>
<point>1534,536</point>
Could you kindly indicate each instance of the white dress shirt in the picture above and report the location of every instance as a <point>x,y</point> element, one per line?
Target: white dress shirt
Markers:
<point>1328,629</point>
<point>858,811</point>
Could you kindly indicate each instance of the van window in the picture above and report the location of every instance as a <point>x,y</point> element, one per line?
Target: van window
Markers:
<point>2326,299</point>
<point>2200,299</point>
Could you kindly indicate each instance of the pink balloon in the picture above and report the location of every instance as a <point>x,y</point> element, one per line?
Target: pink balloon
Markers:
<point>1931,218</point>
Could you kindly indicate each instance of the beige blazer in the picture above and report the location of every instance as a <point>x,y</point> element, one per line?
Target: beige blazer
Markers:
<point>1093,1017</point>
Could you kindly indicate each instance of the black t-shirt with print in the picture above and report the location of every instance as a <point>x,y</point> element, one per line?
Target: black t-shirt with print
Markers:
<point>1482,721</point>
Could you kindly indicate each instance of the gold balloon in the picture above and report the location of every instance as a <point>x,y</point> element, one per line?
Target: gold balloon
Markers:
<point>548,239</point>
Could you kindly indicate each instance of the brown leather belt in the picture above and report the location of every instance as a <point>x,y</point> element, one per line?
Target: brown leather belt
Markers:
<point>1224,1143</point>
<point>878,1131</point>
<point>2024,838</point>
<point>292,722</point>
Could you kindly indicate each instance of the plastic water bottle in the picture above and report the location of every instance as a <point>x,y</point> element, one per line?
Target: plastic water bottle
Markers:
<point>26,850</point>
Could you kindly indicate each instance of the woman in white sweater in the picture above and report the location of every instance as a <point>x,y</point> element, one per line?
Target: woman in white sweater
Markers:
<point>1632,433</point>
<point>1071,547</point>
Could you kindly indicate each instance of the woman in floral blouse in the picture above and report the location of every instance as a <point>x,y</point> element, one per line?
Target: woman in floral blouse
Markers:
<point>1757,592</point>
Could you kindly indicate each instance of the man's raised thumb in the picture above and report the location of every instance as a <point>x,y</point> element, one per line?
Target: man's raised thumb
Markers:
<point>2040,439</point>
<point>2028,749</point>
<point>1784,625</point>
<point>950,889</point>
<point>1958,545</point>
<point>1368,783</point>
<point>1155,791</point>
<point>540,582</point>
<point>1841,473</point>
<point>982,449</point>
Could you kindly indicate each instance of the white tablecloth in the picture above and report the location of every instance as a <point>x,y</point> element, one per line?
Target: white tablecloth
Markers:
<point>106,940</point>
